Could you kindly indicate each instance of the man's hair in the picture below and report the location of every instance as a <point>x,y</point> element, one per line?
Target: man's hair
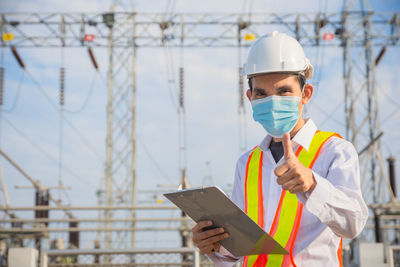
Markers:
<point>300,78</point>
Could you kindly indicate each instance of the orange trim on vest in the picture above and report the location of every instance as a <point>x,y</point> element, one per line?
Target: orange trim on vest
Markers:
<point>319,149</point>
<point>277,213</point>
<point>297,224</point>
<point>340,253</point>
<point>245,261</point>
<point>298,151</point>
<point>260,194</point>
<point>245,189</point>
<point>278,210</point>
<point>298,218</point>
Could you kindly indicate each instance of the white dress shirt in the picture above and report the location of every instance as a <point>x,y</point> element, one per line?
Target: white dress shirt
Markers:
<point>334,209</point>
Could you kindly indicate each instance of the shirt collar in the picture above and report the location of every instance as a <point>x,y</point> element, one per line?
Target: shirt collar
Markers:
<point>303,137</point>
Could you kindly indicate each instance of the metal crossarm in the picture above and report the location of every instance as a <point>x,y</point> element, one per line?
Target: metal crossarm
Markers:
<point>196,30</point>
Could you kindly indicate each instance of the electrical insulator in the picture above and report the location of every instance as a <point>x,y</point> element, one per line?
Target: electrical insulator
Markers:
<point>17,57</point>
<point>241,91</point>
<point>1,85</point>
<point>93,59</point>
<point>62,76</point>
<point>181,88</point>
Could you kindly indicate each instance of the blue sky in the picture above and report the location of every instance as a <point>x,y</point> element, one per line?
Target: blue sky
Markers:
<point>211,104</point>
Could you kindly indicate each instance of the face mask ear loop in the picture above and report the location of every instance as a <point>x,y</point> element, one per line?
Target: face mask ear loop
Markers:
<point>302,95</point>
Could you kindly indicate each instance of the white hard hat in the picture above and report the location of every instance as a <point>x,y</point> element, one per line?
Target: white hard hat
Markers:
<point>277,52</point>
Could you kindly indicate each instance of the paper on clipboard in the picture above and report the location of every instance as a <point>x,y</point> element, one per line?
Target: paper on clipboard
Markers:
<point>210,203</point>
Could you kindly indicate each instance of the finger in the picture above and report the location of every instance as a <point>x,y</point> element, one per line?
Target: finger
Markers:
<point>199,236</point>
<point>200,225</point>
<point>212,240</point>
<point>207,249</point>
<point>289,175</point>
<point>290,186</point>
<point>299,188</point>
<point>287,146</point>
<point>281,169</point>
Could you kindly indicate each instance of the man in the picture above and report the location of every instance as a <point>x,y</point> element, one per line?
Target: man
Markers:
<point>300,184</point>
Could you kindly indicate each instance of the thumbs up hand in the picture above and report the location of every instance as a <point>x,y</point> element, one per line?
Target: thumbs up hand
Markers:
<point>292,175</point>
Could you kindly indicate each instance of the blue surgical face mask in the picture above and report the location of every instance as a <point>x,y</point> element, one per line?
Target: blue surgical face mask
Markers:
<point>277,114</point>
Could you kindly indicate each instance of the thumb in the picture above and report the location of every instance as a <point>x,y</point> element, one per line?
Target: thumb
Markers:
<point>287,146</point>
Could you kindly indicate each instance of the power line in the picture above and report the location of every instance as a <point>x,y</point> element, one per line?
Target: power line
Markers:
<point>169,10</point>
<point>244,6</point>
<point>158,167</point>
<point>170,79</point>
<point>85,141</point>
<point>87,98</point>
<point>247,8</point>
<point>251,8</point>
<point>17,94</point>
<point>329,115</point>
<point>388,97</point>
<point>46,154</point>
<point>320,56</point>
<point>390,116</point>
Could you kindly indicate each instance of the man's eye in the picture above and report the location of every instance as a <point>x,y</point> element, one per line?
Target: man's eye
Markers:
<point>284,91</point>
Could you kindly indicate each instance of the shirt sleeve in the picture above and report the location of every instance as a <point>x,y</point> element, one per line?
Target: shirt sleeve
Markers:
<point>221,260</point>
<point>336,199</point>
<point>224,258</point>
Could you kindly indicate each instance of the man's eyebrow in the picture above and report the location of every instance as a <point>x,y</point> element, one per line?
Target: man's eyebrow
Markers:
<point>284,87</point>
<point>259,90</point>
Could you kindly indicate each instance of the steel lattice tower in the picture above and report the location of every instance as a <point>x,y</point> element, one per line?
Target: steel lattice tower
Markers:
<point>120,173</point>
<point>361,102</point>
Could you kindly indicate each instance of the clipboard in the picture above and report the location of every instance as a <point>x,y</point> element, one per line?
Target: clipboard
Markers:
<point>210,203</point>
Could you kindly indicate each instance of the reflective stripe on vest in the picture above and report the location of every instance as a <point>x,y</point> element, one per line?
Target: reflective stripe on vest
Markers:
<point>288,214</point>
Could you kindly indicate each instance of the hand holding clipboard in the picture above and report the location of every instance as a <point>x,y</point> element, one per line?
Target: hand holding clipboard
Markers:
<point>211,204</point>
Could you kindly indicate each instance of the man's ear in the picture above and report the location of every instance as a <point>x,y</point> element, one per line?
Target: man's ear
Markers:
<point>307,93</point>
<point>248,94</point>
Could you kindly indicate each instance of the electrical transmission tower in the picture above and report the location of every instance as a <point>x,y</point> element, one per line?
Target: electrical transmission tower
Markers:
<point>361,103</point>
<point>120,184</point>
<point>357,31</point>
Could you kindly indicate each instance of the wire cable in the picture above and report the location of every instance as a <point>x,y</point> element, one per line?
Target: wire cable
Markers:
<point>251,9</point>
<point>170,80</point>
<point>244,6</point>
<point>156,164</point>
<point>45,153</point>
<point>17,94</point>
<point>320,58</point>
<point>85,141</point>
<point>87,98</point>
<point>388,97</point>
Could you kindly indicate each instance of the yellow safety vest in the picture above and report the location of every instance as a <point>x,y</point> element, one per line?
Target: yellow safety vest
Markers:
<point>288,214</point>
